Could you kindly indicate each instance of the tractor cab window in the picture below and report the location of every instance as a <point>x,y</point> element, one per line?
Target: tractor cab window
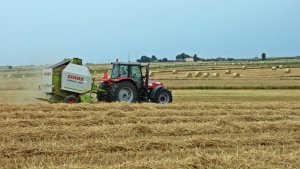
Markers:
<point>136,74</point>
<point>124,71</point>
<point>119,71</point>
<point>115,72</point>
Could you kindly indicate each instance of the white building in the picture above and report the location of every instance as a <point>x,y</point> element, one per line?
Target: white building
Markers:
<point>190,59</point>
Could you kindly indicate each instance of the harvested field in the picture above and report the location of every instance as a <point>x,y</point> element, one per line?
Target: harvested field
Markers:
<point>229,134</point>
<point>249,79</point>
<point>242,128</point>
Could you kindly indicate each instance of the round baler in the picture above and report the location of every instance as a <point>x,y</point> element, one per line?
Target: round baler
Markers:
<point>68,81</point>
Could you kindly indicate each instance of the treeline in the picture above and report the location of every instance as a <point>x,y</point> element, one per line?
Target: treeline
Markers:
<point>180,57</point>
<point>185,57</point>
<point>153,58</point>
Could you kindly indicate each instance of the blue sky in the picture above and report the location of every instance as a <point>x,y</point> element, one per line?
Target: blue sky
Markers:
<point>99,31</point>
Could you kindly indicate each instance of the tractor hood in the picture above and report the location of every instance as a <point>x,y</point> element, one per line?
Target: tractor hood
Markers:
<point>111,80</point>
<point>153,84</point>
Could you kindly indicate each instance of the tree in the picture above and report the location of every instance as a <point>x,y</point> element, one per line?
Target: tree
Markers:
<point>230,59</point>
<point>263,56</point>
<point>196,58</point>
<point>164,59</point>
<point>182,56</point>
<point>144,59</point>
<point>153,58</point>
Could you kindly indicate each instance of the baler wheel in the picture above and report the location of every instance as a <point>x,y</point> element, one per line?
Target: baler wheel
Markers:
<point>70,99</point>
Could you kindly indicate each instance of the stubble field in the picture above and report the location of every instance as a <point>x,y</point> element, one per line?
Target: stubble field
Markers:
<point>222,134</point>
<point>242,128</point>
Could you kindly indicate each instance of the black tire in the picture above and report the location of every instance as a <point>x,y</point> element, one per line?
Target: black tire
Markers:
<point>163,96</point>
<point>101,96</point>
<point>71,99</point>
<point>124,92</point>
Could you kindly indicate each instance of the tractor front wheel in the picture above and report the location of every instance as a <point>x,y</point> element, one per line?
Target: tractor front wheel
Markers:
<point>125,92</point>
<point>163,96</point>
<point>70,99</point>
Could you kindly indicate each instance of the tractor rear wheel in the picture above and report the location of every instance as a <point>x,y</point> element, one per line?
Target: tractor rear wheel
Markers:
<point>163,96</point>
<point>124,92</point>
<point>70,99</point>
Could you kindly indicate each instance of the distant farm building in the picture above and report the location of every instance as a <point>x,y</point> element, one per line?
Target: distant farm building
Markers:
<point>190,59</point>
<point>5,67</point>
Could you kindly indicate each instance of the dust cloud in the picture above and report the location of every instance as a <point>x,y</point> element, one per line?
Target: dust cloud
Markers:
<point>21,87</point>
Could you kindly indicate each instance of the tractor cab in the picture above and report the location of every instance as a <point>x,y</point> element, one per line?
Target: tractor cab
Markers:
<point>129,71</point>
<point>127,83</point>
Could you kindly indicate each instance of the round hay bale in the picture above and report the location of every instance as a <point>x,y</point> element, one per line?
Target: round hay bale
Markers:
<point>287,70</point>
<point>227,71</point>
<point>8,76</point>
<point>151,74</point>
<point>23,76</point>
<point>274,68</point>
<point>198,74</point>
<point>233,63</point>
<point>236,75</point>
<point>244,67</point>
<point>215,75</point>
<point>189,75</point>
<point>174,71</point>
<point>205,75</point>
<point>215,63</point>
<point>280,66</point>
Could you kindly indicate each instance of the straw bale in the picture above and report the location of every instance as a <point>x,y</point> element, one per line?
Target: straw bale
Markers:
<point>236,75</point>
<point>189,75</point>
<point>198,74</point>
<point>227,71</point>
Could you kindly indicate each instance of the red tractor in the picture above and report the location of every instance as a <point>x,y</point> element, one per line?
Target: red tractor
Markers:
<point>128,84</point>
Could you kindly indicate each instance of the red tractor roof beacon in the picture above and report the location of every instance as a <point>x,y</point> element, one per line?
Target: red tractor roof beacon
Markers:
<point>128,84</point>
